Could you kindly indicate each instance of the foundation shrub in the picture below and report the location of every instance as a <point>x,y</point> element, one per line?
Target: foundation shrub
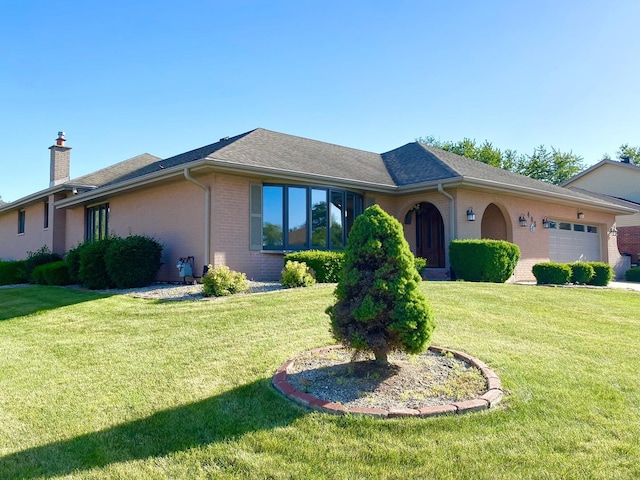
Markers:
<point>12,272</point>
<point>221,281</point>
<point>483,260</point>
<point>41,256</point>
<point>632,275</point>
<point>581,272</point>
<point>55,273</point>
<point>72,259</point>
<point>92,271</point>
<point>133,261</point>
<point>327,265</point>
<point>378,306</point>
<point>296,274</point>
<point>552,273</point>
<point>602,274</point>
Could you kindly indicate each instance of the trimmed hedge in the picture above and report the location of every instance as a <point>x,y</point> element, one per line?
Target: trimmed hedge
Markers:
<point>55,273</point>
<point>483,260</point>
<point>581,272</point>
<point>602,274</point>
<point>632,275</point>
<point>327,265</point>
<point>42,256</point>
<point>552,273</point>
<point>12,272</point>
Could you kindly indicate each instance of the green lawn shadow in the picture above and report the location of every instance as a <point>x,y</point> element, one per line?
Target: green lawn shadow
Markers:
<point>248,408</point>
<point>26,300</point>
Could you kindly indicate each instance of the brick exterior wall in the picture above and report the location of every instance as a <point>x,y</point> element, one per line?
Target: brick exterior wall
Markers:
<point>629,242</point>
<point>59,167</point>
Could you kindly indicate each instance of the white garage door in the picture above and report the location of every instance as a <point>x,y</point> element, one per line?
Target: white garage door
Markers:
<point>570,242</point>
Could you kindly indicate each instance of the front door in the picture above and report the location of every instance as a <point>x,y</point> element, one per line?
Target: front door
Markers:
<point>430,235</point>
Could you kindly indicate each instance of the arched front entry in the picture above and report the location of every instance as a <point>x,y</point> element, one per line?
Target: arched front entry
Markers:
<point>430,235</point>
<point>494,225</point>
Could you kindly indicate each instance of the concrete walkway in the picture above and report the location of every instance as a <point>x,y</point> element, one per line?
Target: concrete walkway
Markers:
<point>625,285</point>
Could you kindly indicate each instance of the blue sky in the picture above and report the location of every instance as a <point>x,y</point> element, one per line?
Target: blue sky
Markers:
<point>126,77</point>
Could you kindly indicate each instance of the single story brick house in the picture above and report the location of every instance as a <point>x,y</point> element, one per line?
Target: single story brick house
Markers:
<point>244,201</point>
<point>621,180</point>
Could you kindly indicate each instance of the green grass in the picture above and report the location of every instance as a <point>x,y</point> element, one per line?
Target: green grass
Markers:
<point>96,386</point>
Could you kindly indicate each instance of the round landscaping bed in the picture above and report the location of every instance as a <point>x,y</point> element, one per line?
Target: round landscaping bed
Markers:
<point>437,382</point>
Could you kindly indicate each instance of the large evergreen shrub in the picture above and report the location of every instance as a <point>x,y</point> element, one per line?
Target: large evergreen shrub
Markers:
<point>93,270</point>
<point>483,260</point>
<point>133,261</point>
<point>379,306</point>
<point>72,259</point>
<point>327,265</point>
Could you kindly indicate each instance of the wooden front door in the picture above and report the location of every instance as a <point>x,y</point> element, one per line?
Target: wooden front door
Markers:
<point>430,235</point>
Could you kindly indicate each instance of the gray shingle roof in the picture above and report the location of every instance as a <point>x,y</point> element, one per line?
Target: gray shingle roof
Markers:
<point>116,173</point>
<point>267,149</point>
<point>411,164</point>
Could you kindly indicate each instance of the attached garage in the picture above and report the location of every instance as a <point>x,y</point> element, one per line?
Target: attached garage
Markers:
<point>571,242</point>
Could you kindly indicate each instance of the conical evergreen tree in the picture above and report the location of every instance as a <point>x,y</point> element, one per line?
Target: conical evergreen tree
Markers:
<point>379,307</point>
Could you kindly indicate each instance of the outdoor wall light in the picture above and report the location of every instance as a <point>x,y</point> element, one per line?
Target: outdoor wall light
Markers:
<point>523,221</point>
<point>546,223</point>
<point>470,215</point>
<point>613,231</point>
<point>580,215</point>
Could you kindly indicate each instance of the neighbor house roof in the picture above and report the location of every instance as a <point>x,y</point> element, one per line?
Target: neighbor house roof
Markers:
<point>634,169</point>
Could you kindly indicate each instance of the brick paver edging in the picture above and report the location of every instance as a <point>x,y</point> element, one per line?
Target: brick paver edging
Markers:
<point>490,398</point>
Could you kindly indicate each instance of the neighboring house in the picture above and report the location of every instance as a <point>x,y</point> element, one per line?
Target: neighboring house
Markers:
<point>246,200</point>
<point>620,180</point>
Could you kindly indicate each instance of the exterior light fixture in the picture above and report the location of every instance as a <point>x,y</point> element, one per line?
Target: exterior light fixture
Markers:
<point>470,215</point>
<point>580,215</point>
<point>613,231</point>
<point>546,223</point>
<point>523,221</point>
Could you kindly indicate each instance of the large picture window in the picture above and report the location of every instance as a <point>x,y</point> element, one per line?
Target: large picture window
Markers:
<point>296,217</point>
<point>97,224</point>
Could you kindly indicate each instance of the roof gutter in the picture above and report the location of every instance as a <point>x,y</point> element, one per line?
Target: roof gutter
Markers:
<point>452,211</point>
<point>207,216</point>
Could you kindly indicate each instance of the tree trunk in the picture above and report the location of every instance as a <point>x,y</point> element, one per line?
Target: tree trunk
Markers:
<point>381,357</point>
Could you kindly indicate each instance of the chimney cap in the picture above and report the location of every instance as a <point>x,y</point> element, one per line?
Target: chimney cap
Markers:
<point>60,140</point>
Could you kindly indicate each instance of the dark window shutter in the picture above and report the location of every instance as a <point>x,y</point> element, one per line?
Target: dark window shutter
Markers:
<point>255,225</point>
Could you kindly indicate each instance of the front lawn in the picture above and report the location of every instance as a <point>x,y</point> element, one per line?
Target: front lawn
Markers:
<point>97,386</point>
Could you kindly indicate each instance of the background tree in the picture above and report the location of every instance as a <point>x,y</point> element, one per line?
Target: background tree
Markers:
<point>379,307</point>
<point>551,166</point>
<point>625,151</point>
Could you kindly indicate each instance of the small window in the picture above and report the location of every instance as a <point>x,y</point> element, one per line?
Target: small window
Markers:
<point>564,226</point>
<point>46,214</point>
<point>578,228</point>
<point>21,221</point>
<point>591,229</point>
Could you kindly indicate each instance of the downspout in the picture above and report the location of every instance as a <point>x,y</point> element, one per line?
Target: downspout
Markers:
<point>207,217</point>
<point>452,213</point>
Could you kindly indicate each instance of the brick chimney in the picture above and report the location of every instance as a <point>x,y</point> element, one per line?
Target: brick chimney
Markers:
<point>60,162</point>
